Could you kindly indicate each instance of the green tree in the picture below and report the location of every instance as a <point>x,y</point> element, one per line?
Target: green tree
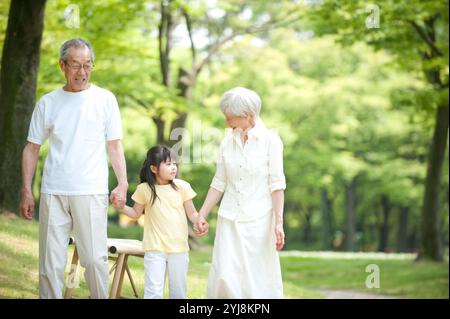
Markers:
<point>19,69</point>
<point>399,27</point>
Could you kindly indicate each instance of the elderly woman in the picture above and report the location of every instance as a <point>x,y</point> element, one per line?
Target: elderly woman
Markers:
<point>245,262</point>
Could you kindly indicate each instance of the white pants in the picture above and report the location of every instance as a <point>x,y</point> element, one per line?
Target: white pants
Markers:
<point>155,266</point>
<point>86,218</point>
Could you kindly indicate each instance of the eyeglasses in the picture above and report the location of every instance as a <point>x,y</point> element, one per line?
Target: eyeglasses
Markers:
<point>77,66</point>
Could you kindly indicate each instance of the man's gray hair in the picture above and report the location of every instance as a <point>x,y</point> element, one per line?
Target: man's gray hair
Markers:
<point>241,101</point>
<point>75,43</point>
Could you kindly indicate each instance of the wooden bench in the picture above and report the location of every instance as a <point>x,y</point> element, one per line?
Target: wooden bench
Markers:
<point>123,248</point>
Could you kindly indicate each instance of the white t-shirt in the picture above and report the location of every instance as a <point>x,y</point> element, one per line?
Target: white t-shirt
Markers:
<point>77,125</point>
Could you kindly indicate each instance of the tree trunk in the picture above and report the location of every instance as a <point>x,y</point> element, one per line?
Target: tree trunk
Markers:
<point>160,128</point>
<point>431,240</point>
<point>384,229</point>
<point>327,223</point>
<point>185,85</point>
<point>307,224</point>
<point>19,69</point>
<point>165,41</point>
<point>164,47</point>
<point>350,203</point>
<point>402,233</point>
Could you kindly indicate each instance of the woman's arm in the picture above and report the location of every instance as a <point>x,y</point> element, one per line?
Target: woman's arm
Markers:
<point>211,200</point>
<point>133,212</point>
<point>277,184</point>
<point>278,207</point>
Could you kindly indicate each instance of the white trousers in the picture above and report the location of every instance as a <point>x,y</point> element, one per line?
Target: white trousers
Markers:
<point>156,264</point>
<point>85,217</point>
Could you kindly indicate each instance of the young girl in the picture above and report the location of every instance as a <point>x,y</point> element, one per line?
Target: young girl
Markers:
<point>166,201</point>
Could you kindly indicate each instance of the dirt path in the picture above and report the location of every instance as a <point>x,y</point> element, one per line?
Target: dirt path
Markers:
<point>347,294</point>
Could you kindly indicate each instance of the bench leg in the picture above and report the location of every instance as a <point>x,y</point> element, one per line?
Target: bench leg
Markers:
<point>117,276</point>
<point>122,273</point>
<point>131,281</point>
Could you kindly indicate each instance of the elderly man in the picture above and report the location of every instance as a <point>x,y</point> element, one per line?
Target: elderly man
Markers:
<point>78,119</point>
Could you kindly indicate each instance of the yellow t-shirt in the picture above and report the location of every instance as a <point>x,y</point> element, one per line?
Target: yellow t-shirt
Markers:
<point>165,222</point>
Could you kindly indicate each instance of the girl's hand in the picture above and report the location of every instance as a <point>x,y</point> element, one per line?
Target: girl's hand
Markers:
<point>279,235</point>
<point>201,227</point>
<point>117,202</point>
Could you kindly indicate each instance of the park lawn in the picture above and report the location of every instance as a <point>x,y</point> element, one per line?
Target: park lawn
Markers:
<point>302,276</point>
<point>398,278</point>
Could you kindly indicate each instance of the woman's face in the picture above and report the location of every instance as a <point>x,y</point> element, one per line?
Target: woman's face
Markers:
<point>239,122</point>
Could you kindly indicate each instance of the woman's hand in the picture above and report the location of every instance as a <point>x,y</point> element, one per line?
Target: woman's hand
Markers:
<point>279,235</point>
<point>201,226</point>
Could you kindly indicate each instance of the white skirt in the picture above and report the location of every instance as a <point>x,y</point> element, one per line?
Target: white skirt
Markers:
<point>245,262</point>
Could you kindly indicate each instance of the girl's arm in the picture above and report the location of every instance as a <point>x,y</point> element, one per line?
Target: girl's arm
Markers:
<point>190,210</point>
<point>193,216</point>
<point>133,212</point>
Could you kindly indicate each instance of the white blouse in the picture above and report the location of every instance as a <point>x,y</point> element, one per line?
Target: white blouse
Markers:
<point>248,173</point>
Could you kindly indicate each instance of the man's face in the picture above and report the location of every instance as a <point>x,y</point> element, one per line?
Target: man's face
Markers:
<point>77,69</point>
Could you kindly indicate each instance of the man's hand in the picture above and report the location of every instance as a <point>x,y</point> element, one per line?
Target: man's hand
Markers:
<point>30,157</point>
<point>27,204</point>
<point>118,197</point>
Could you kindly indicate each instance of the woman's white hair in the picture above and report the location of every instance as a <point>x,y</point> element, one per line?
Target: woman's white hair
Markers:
<point>240,102</point>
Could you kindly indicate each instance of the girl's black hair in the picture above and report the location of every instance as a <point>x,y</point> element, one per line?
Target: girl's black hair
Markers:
<point>155,156</point>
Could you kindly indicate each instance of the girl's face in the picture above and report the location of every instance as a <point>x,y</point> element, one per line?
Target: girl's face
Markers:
<point>166,172</point>
<point>239,122</point>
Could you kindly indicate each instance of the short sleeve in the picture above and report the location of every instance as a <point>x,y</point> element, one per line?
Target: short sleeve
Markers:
<point>37,132</point>
<point>277,180</point>
<point>142,194</point>
<point>114,125</point>
<point>219,181</point>
<point>186,191</point>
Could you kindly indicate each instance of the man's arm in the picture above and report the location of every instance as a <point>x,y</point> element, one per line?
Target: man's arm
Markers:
<point>117,158</point>
<point>30,156</point>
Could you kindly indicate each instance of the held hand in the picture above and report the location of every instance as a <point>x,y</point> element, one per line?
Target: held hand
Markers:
<point>118,197</point>
<point>201,227</point>
<point>27,205</point>
<point>279,235</point>
<point>118,204</point>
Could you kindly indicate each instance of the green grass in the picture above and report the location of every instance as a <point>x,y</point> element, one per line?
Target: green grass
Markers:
<point>398,278</point>
<point>303,274</point>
